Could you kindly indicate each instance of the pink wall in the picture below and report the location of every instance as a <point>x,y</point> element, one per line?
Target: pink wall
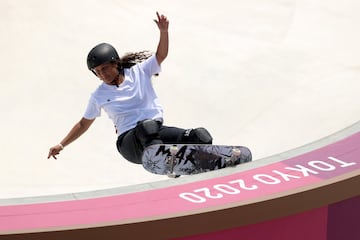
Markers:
<point>311,224</point>
<point>339,221</point>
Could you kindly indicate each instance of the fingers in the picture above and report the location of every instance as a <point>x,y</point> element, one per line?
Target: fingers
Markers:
<point>52,155</point>
<point>158,16</point>
<point>161,18</point>
<point>162,22</point>
<point>53,152</point>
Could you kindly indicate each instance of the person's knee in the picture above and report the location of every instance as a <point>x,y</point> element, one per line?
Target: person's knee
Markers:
<point>147,131</point>
<point>129,148</point>
<point>197,135</point>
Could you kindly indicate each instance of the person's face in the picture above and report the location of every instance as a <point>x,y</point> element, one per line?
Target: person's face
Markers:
<point>107,72</point>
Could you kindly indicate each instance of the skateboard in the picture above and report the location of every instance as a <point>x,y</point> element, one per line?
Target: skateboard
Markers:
<point>187,159</point>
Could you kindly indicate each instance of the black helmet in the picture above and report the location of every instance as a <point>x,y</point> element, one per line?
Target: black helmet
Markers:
<point>100,54</point>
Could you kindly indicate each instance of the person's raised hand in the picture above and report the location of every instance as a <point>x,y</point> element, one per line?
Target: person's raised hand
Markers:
<point>162,22</point>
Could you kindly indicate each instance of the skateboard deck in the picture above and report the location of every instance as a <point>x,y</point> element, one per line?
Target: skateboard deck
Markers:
<point>188,159</point>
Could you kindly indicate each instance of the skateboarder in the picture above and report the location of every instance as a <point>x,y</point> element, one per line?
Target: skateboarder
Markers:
<point>127,96</point>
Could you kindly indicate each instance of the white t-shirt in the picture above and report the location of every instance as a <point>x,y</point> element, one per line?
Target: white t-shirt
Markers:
<point>134,100</point>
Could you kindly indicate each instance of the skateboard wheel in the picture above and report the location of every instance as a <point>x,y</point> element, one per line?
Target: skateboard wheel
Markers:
<point>236,152</point>
<point>229,162</point>
<point>173,150</point>
<point>172,175</point>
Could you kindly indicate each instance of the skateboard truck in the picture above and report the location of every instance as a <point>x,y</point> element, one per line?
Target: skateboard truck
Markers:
<point>235,154</point>
<point>171,162</point>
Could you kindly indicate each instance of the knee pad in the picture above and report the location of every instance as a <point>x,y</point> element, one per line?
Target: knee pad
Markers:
<point>147,131</point>
<point>197,135</point>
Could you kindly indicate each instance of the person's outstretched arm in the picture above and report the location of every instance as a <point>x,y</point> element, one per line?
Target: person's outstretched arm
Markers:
<point>163,47</point>
<point>78,129</point>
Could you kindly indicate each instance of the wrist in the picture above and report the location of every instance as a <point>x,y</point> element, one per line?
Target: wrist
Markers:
<point>61,146</point>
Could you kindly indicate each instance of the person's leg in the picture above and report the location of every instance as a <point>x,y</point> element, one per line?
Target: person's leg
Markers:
<point>129,147</point>
<point>132,143</point>
<point>147,132</point>
<point>171,135</point>
<point>197,135</point>
<point>178,135</point>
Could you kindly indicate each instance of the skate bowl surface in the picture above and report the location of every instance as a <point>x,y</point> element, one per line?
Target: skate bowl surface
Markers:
<point>313,189</point>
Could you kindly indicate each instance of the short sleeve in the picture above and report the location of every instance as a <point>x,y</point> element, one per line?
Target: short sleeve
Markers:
<point>150,66</point>
<point>93,109</point>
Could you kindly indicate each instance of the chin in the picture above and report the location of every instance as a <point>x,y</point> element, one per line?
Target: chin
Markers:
<point>107,81</point>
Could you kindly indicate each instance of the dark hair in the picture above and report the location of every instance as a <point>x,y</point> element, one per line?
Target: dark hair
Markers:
<point>132,58</point>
